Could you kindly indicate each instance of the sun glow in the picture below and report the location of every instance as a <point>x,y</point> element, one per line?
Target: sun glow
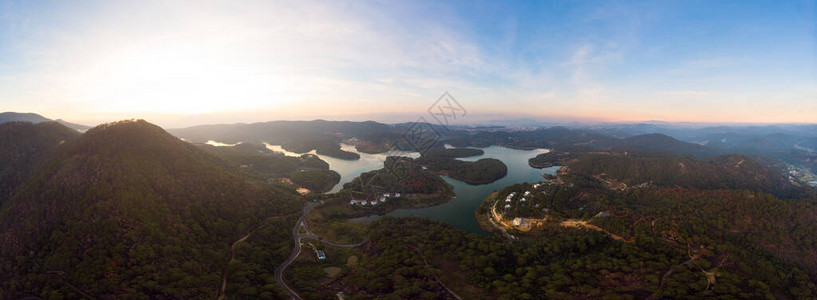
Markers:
<point>184,76</point>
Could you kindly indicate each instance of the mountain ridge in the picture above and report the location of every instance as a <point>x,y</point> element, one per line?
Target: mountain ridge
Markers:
<point>128,209</point>
<point>36,118</point>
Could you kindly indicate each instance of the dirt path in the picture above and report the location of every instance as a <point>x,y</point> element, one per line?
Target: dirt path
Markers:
<point>221,293</point>
<point>435,275</point>
<point>584,224</point>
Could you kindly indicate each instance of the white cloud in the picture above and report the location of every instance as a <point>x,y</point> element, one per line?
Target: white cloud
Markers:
<point>686,93</point>
<point>173,58</point>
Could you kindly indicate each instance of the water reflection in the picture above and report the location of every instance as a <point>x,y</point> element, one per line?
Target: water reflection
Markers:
<point>459,212</point>
<point>348,169</point>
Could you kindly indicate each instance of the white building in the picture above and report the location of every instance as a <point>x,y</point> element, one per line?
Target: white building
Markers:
<point>517,221</point>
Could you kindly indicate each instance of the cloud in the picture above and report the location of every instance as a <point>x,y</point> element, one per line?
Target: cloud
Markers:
<point>686,93</point>
<point>172,58</point>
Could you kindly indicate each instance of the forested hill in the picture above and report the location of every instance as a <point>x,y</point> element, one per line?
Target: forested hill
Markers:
<point>722,172</point>
<point>127,209</point>
<point>657,142</point>
<point>295,136</point>
<point>24,146</point>
<point>35,118</point>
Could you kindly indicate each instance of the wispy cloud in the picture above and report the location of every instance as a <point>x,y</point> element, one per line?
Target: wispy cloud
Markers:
<point>686,93</point>
<point>115,58</point>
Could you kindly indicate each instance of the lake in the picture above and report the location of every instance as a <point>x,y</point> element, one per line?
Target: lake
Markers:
<point>458,212</point>
<point>348,169</point>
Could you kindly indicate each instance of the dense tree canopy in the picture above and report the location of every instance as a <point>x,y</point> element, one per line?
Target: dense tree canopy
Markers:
<point>129,211</point>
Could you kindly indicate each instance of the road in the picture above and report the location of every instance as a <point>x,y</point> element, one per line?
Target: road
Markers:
<point>491,214</point>
<point>296,248</point>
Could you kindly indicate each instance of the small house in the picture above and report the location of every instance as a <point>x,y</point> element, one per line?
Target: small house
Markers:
<point>321,255</point>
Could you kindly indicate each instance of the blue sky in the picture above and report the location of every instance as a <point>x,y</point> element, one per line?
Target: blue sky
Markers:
<point>192,62</point>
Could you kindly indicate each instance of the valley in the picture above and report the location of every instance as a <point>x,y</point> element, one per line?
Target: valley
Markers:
<point>406,211</point>
<point>367,149</point>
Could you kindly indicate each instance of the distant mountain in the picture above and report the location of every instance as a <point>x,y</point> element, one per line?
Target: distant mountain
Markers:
<point>296,136</point>
<point>656,142</point>
<point>22,117</point>
<point>794,144</point>
<point>35,118</point>
<point>125,210</point>
<point>277,131</point>
<point>540,138</point>
<point>722,172</point>
<point>76,126</point>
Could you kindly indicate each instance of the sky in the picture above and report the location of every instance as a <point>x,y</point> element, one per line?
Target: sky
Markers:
<point>182,63</point>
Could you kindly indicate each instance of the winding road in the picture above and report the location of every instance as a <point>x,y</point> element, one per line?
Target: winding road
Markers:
<point>296,248</point>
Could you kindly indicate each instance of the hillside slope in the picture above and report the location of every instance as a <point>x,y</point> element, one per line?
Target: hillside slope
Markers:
<point>125,210</point>
<point>25,145</point>
<point>723,172</point>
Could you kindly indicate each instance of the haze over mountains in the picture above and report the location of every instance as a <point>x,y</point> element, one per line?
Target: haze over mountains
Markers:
<point>489,150</point>
<point>35,118</point>
<point>126,208</point>
<point>795,144</point>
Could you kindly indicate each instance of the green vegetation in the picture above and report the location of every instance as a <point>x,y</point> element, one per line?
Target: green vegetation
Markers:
<point>128,211</point>
<point>326,147</point>
<point>399,174</point>
<point>295,136</point>
<point>724,172</point>
<point>307,171</point>
<point>24,149</point>
<point>416,188</point>
<point>679,258</point>
<point>454,152</point>
<point>252,273</point>
<point>550,159</point>
<point>315,180</point>
<point>622,169</point>
<point>309,275</point>
<point>485,170</point>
